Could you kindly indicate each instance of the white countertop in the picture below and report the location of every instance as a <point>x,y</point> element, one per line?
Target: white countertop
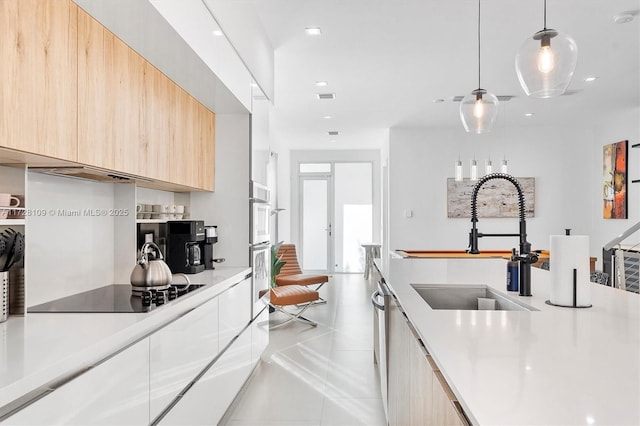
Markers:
<point>555,366</point>
<point>42,347</point>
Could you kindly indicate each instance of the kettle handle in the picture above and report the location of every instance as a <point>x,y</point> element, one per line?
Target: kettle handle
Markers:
<point>144,252</point>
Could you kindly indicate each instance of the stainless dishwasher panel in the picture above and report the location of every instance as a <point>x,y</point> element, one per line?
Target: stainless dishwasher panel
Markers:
<point>381,300</point>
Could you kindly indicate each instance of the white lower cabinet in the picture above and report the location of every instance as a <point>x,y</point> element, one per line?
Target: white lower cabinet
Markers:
<point>179,352</point>
<point>138,384</point>
<point>259,335</point>
<point>208,399</point>
<point>235,311</point>
<point>114,392</point>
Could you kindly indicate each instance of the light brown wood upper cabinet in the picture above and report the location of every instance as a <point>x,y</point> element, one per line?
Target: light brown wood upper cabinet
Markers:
<point>205,158</point>
<point>134,119</point>
<point>192,143</point>
<point>38,71</point>
<point>72,90</point>
<point>110,100</point>
<point>159,99</point>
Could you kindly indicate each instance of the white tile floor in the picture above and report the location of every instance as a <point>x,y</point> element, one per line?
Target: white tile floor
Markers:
<point>320,375</point>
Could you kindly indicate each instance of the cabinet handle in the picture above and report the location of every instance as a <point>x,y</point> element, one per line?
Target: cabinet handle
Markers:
<point>374,300</point>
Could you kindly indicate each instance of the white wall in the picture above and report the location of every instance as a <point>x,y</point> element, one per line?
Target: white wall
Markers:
<point>284,195</point>
<point>622,127</point>
<point>67,254</point>
<point>420,161</point>
<point>260,140</point>
<point>228,206</point>
<point>243,28</point>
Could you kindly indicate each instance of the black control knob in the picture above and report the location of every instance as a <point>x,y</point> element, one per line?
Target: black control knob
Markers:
<point>146,298</point>
<point>160,298</point>
<point>172,293</point>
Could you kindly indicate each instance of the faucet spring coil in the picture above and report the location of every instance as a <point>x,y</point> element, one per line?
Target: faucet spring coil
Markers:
<point>492,176</point>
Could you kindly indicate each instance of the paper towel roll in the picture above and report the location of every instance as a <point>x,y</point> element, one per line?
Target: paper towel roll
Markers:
<point>569,252</point>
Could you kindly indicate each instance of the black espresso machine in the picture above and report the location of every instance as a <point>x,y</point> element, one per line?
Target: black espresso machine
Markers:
<point>184,239</point>
<point>210,238</point>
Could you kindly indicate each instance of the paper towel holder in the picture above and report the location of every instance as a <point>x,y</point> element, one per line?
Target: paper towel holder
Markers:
<point>575,291</point>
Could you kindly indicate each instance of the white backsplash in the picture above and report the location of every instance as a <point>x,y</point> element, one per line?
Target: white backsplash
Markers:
<point>154,196</point>
<point>67,253</point>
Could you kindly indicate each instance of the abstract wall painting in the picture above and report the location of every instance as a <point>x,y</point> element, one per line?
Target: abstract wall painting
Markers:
<point>614,190</point>
<point>497,198</point>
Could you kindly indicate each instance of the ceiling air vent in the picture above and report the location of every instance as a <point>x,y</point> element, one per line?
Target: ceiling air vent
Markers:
<point>326,95</point>
<point>502,98</point>
<point>333,133</point>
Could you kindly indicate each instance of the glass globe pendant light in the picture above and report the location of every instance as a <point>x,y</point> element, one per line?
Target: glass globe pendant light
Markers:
<point>546,61</point>
<point>478,110</point>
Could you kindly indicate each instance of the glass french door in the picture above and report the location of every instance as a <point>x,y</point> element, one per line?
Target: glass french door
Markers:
<point>336,206</point>
<point>316,236</point>
<point>352,215</point>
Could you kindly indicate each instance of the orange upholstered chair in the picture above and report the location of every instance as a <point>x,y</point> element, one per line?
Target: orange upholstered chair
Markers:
<point>288,295</point>
<point>291,274</point>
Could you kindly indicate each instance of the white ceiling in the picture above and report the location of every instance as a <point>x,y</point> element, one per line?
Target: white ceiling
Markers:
<point>387,60</point>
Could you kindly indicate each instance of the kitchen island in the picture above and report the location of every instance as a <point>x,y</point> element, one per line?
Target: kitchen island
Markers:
<point>45,351</point>
<point>549,366</point>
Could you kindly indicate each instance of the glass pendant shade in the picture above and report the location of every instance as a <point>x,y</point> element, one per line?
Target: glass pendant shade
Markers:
<point>458,171</point>
<point>545,63</point>
<point>488,169</point>
<point>478,111</point>
<point>474,170</point>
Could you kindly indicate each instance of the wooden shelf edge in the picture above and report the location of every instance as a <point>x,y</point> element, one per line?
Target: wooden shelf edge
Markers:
<point>11,222</point>
<point>158,220</point>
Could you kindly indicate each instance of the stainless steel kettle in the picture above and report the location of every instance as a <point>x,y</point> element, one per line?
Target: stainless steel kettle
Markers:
<point>150,273</point>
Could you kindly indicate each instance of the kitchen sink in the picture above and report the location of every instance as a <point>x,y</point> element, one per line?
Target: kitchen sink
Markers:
<point>466,297</point>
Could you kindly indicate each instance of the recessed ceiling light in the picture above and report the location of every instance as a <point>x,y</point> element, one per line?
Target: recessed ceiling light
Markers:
<point>327,117</point>
<point>217,33</point>
<point>529,114</point>
<point>438,101</point>
<point>321,83</point>
<point>623,18</point>
<point>313,31</point>
<point>326,95</point>
<point>333,133</point>
<point>590,79</point>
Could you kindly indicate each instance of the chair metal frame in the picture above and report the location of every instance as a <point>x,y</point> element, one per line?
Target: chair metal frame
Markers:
<point>297,316</point>
<point>292,316</point>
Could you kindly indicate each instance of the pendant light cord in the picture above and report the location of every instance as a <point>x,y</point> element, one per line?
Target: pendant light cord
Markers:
<point>479,43</point>
<point>545,14</point>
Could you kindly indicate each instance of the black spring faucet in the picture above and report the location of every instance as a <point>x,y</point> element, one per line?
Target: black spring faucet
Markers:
<point>525,258</point>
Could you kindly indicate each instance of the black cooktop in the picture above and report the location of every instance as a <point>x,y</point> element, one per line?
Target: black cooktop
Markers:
<point>113,299</point>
